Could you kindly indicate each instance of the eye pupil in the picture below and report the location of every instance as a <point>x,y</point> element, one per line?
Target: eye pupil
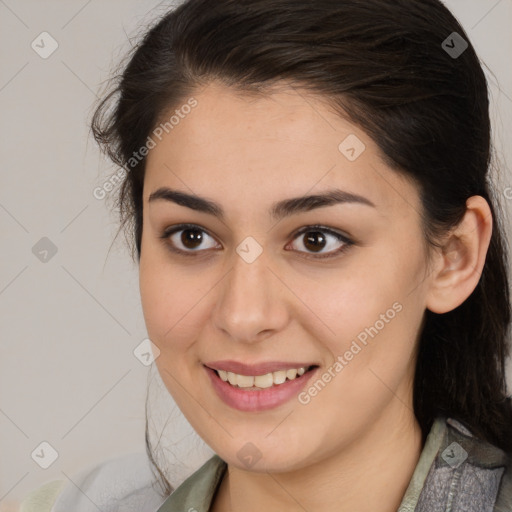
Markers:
<point>195,237</point>
<point>313,237</point>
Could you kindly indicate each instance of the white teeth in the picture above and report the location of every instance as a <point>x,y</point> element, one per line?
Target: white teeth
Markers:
<point>245,381</point>
<point>261,381</point>
<point>279,376</point>
<point>264,381</point>
<point>291,374</point>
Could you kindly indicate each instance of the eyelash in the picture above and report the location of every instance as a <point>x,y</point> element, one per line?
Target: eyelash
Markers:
<point>182,227</point>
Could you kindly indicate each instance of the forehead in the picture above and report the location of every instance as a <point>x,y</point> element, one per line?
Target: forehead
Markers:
<point>283,113</point>
<point>261,145</point>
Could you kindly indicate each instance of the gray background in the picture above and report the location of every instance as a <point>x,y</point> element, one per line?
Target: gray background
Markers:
<point>68,374</point>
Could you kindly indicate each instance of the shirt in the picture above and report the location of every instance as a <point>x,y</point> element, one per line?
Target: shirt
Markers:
<point>456,472</point>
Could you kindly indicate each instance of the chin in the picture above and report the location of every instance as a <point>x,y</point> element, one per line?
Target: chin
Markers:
<point>259,456</point>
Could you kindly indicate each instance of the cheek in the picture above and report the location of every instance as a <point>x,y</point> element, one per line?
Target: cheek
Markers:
<point>372,313</point>
<point>171,322</point>
<point>342,303</point>
<point>159,297</point>
<point>370,353</point>
<point>174,303</point>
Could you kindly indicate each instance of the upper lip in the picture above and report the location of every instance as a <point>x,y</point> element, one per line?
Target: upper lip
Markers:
<point>255,369</point>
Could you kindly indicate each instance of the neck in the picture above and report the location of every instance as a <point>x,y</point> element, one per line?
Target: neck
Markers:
<point>370,474</point>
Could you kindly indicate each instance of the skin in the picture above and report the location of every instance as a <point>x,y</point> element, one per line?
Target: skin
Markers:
<point>246,152</point>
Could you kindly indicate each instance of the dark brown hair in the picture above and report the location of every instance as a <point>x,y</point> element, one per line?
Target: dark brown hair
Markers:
<point>381,63</point>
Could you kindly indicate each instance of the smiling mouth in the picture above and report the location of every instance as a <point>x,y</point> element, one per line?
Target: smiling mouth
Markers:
<point>259,382</point>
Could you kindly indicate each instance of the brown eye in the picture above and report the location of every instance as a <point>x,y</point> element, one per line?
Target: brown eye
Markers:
<point>187,239</point>
<point>191,238</point>
<point>315,239</point>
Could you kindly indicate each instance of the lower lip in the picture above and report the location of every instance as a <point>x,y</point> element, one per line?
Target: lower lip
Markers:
<point>252,400</point>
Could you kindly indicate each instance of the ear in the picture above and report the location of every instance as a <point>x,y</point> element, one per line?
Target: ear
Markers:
<point>460,263</point>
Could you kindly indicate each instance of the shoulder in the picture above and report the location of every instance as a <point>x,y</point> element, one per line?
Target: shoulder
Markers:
<point>471,472</point>
<point>42,498</point>
<point>125,481</point>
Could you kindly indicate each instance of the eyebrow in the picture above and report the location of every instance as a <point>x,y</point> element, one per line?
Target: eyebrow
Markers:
<point>278,210</point>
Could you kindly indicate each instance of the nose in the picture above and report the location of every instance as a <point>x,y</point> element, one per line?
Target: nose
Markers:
<point>252,303</point>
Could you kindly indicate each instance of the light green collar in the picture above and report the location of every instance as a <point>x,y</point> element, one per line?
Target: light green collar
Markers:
<point>196,493</point>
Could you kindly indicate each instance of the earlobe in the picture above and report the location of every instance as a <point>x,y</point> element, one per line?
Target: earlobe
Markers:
<point>461,261</point>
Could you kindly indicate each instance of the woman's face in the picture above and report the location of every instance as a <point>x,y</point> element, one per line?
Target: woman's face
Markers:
<point>253,292</point>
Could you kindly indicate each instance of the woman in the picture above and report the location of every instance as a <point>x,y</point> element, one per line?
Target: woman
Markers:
<point>323,270</point>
